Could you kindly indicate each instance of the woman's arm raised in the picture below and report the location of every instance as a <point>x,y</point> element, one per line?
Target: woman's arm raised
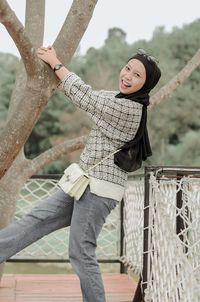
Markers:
<point>48,55</point>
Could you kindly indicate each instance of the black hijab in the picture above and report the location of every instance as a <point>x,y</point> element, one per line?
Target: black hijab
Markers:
<point>131,155</point>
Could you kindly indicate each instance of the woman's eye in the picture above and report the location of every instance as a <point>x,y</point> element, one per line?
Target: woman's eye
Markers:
<point>137,75</point>
<point>127,67</point>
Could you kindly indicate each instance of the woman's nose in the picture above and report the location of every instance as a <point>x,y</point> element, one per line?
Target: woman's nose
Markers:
<point>128,76</point>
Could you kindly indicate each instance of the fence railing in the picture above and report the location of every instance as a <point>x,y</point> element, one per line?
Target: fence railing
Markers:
<point>171,258</point>
<point>54,247</point>
<point>155,232</point>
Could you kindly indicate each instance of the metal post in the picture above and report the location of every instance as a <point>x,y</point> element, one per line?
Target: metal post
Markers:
<point>180,223</point>
<point>123,269</point>
<point>139,294</point>
<point>138,297</point>
<point>146,229</point>
<point>179,220</point>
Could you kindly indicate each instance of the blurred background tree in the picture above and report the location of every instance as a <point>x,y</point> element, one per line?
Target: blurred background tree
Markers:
<point>174,127</point>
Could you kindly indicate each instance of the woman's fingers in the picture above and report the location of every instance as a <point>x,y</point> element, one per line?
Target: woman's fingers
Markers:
<point>45,49</point>
<point>41,50</point>
<point>46,53</point>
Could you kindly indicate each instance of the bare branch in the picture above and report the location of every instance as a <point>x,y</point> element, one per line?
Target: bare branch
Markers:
<point>170,87</point>
<point>54,153</point>
<point>77,21</point>
<point>40,81</point>
<point>20,125</point>
<point>19,36</point>
<point>35,19</point>
<point>34,25</point>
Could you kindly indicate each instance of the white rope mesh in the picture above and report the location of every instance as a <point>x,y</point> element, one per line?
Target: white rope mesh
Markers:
<point>173,260</point>
<point>133,225</point>
<point>173,272</point>
<point>55,245</point>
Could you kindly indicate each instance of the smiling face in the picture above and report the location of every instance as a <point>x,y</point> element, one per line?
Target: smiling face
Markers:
<point>132,77</point>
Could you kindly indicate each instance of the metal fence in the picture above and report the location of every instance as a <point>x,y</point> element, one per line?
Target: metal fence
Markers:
<point>159,210</point>
<point>171,258</point>
<point>54,247</point>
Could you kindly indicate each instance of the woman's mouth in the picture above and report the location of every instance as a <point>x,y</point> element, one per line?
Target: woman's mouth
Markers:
<point>125,85</point>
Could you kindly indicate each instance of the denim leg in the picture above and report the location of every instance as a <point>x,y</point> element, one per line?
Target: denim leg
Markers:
<point>88,217</point>
<point>51,214</point>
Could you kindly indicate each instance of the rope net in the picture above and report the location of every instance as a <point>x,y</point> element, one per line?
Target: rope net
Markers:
<point>133,225</point>
<point>55,245</point>
<point>173,257</point>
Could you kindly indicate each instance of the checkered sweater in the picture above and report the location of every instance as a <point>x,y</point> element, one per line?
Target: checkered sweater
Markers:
<point>116,121</point>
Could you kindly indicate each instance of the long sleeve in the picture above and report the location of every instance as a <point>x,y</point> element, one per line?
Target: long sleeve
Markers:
<point>115,117</point>
<point>115,122</point>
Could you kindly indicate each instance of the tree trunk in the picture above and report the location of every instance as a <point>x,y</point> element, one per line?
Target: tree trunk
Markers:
<point>29,98</point>
<point>33,87</point>
<point>40,79</point>
<point>10,187</point>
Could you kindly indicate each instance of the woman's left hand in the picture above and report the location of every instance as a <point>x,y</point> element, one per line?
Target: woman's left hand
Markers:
<point>47,54</point>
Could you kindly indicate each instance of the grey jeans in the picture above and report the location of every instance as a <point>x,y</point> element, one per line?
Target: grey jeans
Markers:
<point>85,217</point>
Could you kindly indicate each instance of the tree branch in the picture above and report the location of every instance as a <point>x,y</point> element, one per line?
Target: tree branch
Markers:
<point>34,22</point>
<point>34,26</point>
<point>54,153</point>
<point>77,20</point>
<point>19,126</point>
<point>41,82</point>
<point>19,36</point>
<point>171,86</point>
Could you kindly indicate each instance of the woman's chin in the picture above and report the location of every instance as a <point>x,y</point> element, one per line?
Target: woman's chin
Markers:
<point>124,91</point>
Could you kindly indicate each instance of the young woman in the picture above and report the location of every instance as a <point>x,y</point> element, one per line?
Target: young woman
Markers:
<point>119,122</point>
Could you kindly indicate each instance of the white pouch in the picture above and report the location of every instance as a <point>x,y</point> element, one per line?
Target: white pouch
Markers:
<point>74,181</point>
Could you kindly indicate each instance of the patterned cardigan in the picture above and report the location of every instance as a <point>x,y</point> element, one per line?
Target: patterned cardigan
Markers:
<point>116,121</point>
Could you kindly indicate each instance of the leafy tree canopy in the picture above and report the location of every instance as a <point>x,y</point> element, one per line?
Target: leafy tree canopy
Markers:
<point>174,126</point>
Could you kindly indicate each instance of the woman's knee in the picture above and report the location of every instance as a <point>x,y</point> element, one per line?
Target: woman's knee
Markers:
<point>81,250</point>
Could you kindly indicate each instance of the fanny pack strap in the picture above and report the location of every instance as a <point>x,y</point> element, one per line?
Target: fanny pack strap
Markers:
<point>104,159</point>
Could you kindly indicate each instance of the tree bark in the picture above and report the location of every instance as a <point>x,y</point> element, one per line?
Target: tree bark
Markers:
<point>73,28</point>
<point>54,153</point>
<point>40,81</point>
<point>10,187</point>
<point>33,87</point>
<point>19,36</point>
<point>165,92</point>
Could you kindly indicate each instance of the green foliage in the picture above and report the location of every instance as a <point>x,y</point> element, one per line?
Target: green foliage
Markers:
<point>187,149</point>
<point>171,123</point>
<point>48,125</point>
<point>100,67</point>
<point>174,126</point>
<point>55,167</point>
<point>8,68</point>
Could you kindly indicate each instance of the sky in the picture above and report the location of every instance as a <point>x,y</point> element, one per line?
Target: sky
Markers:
<point>137,18</point>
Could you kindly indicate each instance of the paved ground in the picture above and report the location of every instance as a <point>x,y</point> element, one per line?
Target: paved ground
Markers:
<point>61,288</point>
